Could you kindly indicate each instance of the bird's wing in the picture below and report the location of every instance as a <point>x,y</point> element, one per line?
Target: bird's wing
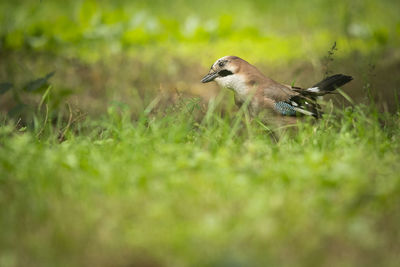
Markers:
<point>277,91</point>
<point>289,101</point>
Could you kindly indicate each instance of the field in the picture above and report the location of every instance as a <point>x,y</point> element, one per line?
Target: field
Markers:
<point>112,153</point>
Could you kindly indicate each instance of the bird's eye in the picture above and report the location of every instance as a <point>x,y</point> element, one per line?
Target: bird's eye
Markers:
<point>221,64</point>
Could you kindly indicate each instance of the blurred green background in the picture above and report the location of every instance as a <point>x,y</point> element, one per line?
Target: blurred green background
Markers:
<point>112,153</point>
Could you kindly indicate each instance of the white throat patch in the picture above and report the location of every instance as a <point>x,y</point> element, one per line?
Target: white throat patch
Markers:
<point>234,82</point>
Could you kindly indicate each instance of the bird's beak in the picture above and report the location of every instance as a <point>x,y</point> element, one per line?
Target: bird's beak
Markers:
<point>209,77</point>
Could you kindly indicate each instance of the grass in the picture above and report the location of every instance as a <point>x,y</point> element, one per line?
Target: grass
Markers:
<point>121,157</point>
<point>183,188</point>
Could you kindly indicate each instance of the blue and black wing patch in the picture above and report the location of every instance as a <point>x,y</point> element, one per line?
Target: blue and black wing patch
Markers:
<point>298,106</point>
<point>285,109</point>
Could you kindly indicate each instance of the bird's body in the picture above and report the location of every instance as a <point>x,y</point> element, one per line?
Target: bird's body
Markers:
<point>266,95</point>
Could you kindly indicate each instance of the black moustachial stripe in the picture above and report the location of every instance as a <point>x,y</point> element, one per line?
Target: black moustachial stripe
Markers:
<point>224,73</point>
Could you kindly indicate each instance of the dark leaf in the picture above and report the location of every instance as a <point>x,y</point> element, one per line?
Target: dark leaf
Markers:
<point>4,87</point>
<point>50,74</point>
<point>38,83</point>
<point>17,110</point>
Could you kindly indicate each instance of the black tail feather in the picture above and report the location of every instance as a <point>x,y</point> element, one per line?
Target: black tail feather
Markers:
<point>330,83</point>
<point>306,101</point>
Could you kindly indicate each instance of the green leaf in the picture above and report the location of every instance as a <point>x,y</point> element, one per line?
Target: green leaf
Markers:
<point>348,98</point>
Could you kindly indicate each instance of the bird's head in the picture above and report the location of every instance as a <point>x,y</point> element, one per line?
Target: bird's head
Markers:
<point>222,69</point>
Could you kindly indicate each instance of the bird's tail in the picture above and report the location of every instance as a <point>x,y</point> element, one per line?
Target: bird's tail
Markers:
<point>329,84</point>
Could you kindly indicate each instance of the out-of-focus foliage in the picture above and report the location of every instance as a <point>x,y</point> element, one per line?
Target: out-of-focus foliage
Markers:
<point>273,30</point>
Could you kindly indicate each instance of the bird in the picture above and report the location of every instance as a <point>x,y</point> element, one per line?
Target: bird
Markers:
<point>265,95</point>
